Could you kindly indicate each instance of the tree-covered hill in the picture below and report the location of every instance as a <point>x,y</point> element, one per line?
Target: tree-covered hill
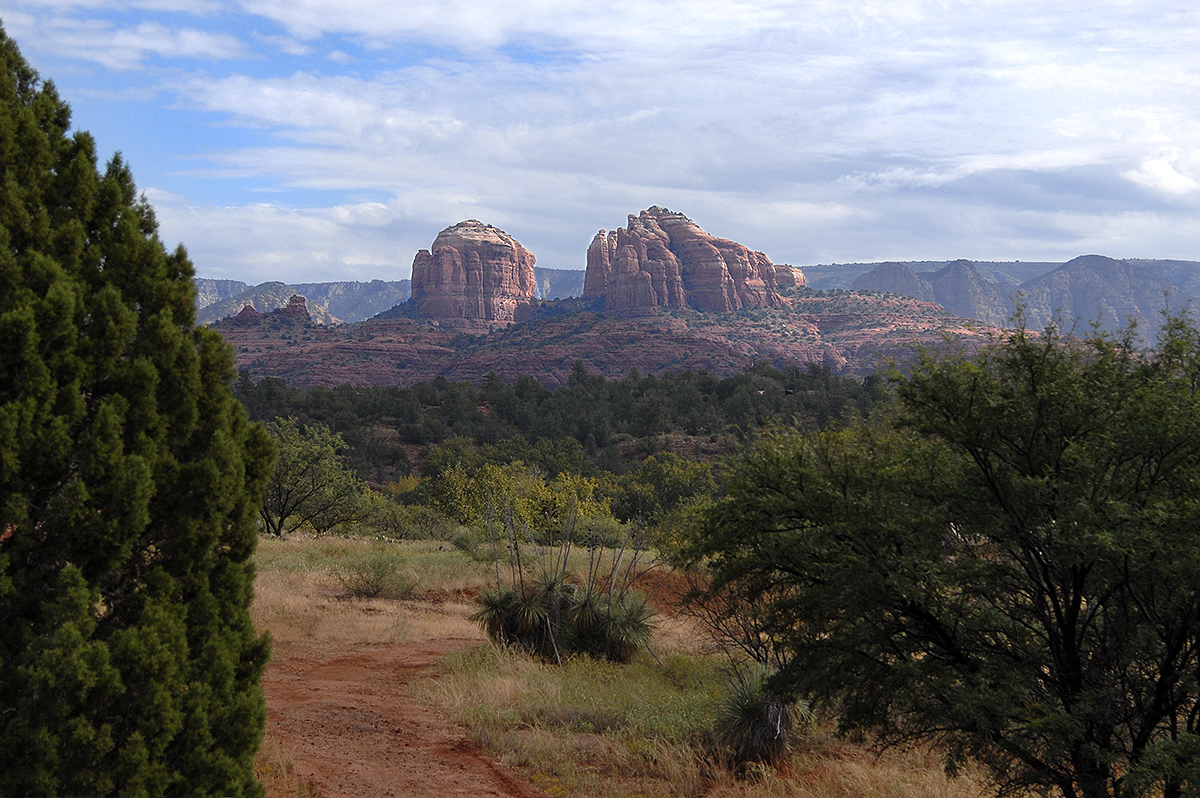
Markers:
<point>605,423</point>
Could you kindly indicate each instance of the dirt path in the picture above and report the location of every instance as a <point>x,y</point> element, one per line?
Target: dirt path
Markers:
<point>354,730</point>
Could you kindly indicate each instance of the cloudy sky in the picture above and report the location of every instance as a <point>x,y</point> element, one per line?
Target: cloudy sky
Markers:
<point>309,140</point>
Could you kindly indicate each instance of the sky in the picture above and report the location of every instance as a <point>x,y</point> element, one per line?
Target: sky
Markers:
<point>318,140</point>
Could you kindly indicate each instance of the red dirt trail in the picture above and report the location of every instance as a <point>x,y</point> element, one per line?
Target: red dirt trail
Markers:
<point>354,730</point>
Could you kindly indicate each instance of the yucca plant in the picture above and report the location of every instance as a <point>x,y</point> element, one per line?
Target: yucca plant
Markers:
<point>754,724</point>
<point>497,614</point>
<point>629,625</point>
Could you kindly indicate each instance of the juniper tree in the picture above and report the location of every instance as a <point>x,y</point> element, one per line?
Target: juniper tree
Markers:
<point>129,486</point>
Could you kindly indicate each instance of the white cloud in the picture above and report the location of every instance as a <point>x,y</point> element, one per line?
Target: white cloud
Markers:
<point>1159,175</point>
<point>818,129</point>
<point>257,243</point>
<point>128,48</point>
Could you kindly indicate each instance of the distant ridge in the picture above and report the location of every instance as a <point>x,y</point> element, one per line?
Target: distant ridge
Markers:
<point>345,301</point>
<point>328,303</point>
<point>1089,289</point>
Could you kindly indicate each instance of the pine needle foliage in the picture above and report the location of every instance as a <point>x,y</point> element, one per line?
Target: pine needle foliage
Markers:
<point>129,485</point>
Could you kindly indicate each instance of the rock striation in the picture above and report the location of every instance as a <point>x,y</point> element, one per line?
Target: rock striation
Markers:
<point>664,259</point>
<point>474,277</point>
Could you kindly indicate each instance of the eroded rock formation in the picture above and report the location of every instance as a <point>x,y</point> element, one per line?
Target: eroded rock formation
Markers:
<point>664,259</point>
<point>474,277</point>
<point>296,309</point>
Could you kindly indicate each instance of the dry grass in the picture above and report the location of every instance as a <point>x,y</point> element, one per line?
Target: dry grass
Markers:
<point>300,597</point>
<point>585,729</point>
<point>609,731</point>
<point>276,769</point>
<point>306,606</point>
<point>300,600</point>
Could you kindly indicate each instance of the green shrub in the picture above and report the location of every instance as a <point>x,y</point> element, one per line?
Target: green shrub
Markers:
<point>470,541</point>
<point>754,724</point>
<point>375,574</point>
<point>551,617</point>
<point>389,519</point>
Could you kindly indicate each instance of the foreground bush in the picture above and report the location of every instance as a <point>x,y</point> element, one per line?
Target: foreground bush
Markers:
<point>1007,563</point>
<point>552,618</point>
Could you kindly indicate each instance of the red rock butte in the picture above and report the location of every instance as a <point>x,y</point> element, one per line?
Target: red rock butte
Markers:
<point>473,278</point>
<point>664,259</point>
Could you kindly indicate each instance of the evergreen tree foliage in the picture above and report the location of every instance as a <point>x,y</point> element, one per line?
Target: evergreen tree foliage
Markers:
<point>129,485</point>
<point>1008,563</point>
<point>584,426</point>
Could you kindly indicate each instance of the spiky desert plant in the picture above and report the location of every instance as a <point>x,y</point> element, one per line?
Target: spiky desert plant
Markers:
<point>497,614</point>
<point>754,724</point>
<point>629,625</point>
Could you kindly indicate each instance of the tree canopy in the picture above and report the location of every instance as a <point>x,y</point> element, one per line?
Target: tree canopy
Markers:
<point>129,485</point>
<point>1007,561</point>
<point>580,426</point>
<point>309,485</point>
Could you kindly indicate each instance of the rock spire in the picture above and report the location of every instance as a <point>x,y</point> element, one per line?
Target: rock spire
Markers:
<point>664,259</point>
<point>474,277</point>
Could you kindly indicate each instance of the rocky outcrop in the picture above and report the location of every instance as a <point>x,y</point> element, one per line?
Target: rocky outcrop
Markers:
<point>789,277</point>
<point>296,309</point>
<point>294,312</point>
<point>474,277</point>
<point>264,299</point>
<point>664,259</point>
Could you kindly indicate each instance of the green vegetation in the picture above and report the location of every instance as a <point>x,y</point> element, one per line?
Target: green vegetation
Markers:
<point>379,572</point>
<point>1007,562</point>
<point>129,486</point>
<point>310,485</point>
<point>591,424</point>
<point>755,724</point>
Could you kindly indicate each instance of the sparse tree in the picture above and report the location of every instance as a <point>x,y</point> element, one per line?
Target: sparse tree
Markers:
<point>310,484</point>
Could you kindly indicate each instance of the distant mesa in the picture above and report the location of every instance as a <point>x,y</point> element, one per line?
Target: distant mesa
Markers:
<point>663,259</point>
<point>230,298</point>
<point>474,277</point>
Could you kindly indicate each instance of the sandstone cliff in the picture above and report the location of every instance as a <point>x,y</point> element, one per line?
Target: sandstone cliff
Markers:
<point>664,259</point>
<point>474,277</point>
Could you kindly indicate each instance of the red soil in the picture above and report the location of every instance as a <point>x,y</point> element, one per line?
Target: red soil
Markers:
<point>353,727</point>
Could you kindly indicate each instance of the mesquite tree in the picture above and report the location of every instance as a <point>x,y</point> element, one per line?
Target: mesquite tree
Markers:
<point>1007,562</point>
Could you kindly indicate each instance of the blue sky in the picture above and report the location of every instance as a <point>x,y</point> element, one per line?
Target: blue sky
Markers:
<point>310,140</point>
